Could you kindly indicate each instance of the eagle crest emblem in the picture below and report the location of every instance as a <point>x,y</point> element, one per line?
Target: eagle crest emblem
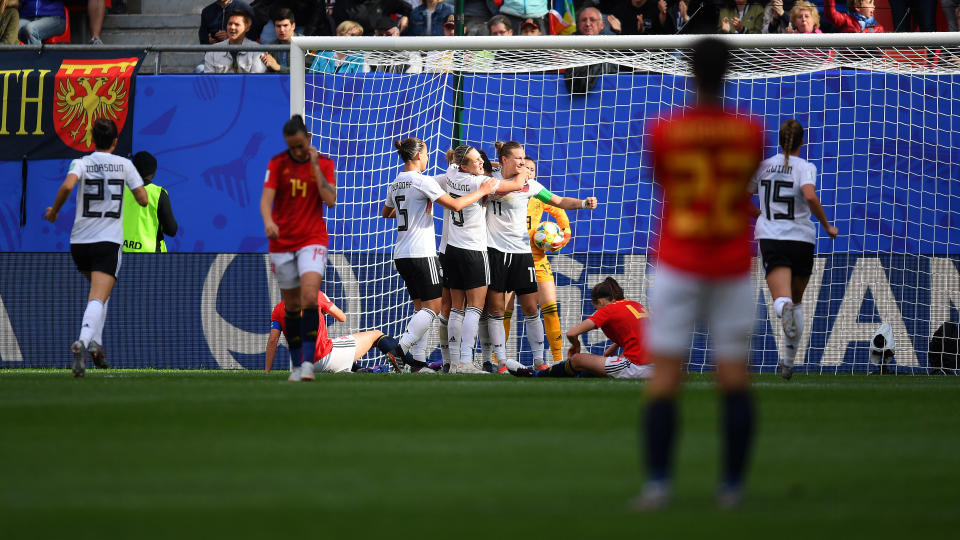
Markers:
<point>87,90</point>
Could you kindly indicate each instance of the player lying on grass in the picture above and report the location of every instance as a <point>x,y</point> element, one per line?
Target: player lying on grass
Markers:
<point>338,355</point>
<point>621,320</point>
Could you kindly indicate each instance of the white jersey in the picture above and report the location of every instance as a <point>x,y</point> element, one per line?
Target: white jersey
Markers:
<point>412,195</point>
<point>784,212</point>
<point>507,218</point>
<point>442,182</point>
<point>468,228</point>
<point>100,197</point>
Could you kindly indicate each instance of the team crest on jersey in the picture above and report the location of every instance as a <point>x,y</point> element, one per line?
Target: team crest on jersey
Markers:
<point>87,90</point>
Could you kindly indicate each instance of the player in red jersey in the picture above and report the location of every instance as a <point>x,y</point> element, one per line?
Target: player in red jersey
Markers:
<point>299,183</point>
<point>621,320</point>
<point>703,160</point>
<point>335,355</point>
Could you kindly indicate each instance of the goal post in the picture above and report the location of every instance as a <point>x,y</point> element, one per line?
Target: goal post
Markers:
<point>880,112</point>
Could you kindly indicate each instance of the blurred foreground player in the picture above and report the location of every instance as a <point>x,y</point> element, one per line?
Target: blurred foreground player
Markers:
<point>97,236</point>
<point>703,160</point>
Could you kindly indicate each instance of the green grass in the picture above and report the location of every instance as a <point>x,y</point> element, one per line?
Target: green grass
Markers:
<point>148,454</point>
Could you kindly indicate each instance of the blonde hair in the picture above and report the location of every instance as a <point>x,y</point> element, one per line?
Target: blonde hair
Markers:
<point>791,137</point>
<point>347,26</point>
<point>802,5</point>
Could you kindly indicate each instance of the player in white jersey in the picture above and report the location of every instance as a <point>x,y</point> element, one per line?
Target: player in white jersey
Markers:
<point>786,185</point>
<point>410,200</point>
<point>511,260</point>
<point>96,240</point>
<point>466,268</point>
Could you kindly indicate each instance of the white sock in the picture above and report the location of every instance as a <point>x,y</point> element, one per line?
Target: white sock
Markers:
<point>91,321</point>
<point>471,325</point>
<point>779,303</point>
<point>534,327</point>
<point>98,337</point>
<point>498,338</point>
<point>454,330</point>
<point>793,344</point>
<point>486,348</point>
<point>417,327</point>
<point>419,349</point>
<point>444,340</point>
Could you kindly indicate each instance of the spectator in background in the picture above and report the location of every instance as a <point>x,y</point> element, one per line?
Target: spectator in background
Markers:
<point>500,25</point>
<point>336,61</point>
<point>284,25</point>
<point>428,18</point>
<point>213,20</point>
<point>530,27</point>
<point>145,226</point>
<point>644,17</point>
<point>238,22</point>
<point>311,16</point>
<point>775,21</point>
<point>950,9</point>
<point>41,19</point>
<point>392,61</point>
<point>9,22</point>
<point>590,22</point>
<point>914,15</point>
<point>741,17</point>
<point>804,19</point>
<point>518,10</point>
<point>476,13</point>
<point>96,11</point>
<point>581,79</point>
<point>368,13</point>
<point>859,19</point>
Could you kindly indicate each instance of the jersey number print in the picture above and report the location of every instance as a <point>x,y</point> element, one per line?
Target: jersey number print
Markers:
<point>705,191</point>
<point>777,197</point>
<point>99,196</point>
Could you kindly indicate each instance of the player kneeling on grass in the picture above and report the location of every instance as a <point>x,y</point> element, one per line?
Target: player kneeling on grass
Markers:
<point>337,355</point>
<point>621,320</point>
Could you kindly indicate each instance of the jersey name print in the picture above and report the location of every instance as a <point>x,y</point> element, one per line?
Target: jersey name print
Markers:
<point>703,161</point>
<point>784,211</point>
<point>102,178</point>
<point>467,228</point>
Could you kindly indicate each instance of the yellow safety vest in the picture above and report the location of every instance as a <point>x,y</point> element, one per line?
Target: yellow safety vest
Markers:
<point>141,223</point>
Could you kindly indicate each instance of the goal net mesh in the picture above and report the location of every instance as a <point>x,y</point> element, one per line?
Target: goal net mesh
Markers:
<point>881,128</point>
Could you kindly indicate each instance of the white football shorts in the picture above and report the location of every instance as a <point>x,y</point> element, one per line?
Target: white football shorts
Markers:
<point>340,359</point>
<point>677,300</point>
<point>619,367</point>
<point>290,265</point>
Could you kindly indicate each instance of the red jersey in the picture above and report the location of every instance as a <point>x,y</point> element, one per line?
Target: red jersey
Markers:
<point>324,343</point>
<point>624,323</point>
<point>703,161</point>
<point>297,207</point>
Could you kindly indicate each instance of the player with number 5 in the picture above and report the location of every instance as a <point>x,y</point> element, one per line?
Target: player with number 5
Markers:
<point>97,236</point>
<point>299,183</point>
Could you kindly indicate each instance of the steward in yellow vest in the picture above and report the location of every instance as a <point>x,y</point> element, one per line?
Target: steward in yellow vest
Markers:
<point>144,227</point>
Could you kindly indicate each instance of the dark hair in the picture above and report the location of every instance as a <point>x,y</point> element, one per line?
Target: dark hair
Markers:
<point>608,288</point>
<point>503,148</point>
<point>407,148</point>
<point>145,163</point>
<point>248,19</point>
<point>791,137</point>
<point>487,166</point>
<point>104,133</point>
<point>711,57</point>
<point>294,125</point>
<point>282,13</point>
<point>499,19</point>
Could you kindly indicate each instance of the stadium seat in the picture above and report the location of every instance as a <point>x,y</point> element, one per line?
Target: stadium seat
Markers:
<point>65,36</point>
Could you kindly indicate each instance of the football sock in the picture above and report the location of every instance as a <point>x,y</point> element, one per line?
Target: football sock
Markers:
<point>483,334</point>
<point>498,338</point>
<point>444,340</point>
<point>454,331</point>
<point>738,435</point>
<point>779,303</point>
<point>551,326</point>
<point>471,325</point>
<point>419,349</point>
<point>793,344</point>
<point>98,336</point>
<point>91,320</point>
<point>386,344</point>
<point>661,425</point>
<point>291,328</point>
<point>560,369</point>
<point>417,328</point>
<point>535,336</point>
<point>308,331</point>
<point>507,315</point>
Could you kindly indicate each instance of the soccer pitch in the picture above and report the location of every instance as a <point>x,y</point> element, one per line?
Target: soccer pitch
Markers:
<point>149,454</point>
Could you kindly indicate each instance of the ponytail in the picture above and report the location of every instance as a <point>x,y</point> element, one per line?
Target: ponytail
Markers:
<point>608,288</point>
<point>408,148</point>
<point>791,137</point>
<point>294,125</point>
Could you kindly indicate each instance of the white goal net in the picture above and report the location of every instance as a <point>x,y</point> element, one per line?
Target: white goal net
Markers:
<point>880,114</point>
